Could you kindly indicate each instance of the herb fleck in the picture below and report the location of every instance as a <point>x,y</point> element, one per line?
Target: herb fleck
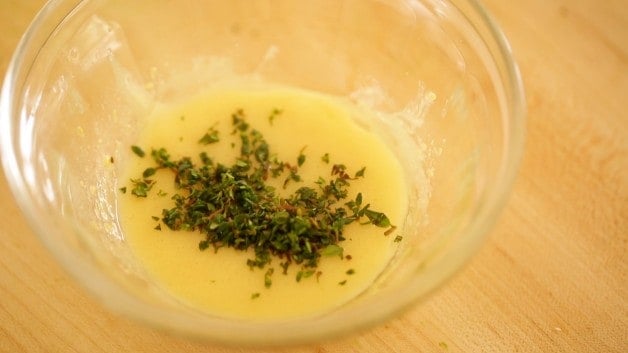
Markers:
<point>332,250</point>
<point>275,113</point>
<point>377,218</point>
<point>267,277</point>
<point>305,274</point>
<point>210,137</point>
<point>301,158</point>
<point>141,187</point>
<point>138,151</point>
<point>148,172</point>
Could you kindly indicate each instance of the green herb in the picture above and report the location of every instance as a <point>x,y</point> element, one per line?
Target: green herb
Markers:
<point>205,158</point>
<point>332,250</point>
<point>342,283</point>
<point>304,274</point>
<point>138,151</point>
<point>255,295</point>
<point>235,206</point>
<point>273,115</point>
<point>141,187</point>
<point>148,172</point>
<point>123,189</point>
<point>301,158</point>
<point>284,265</point>
<point>157,227</point>
<point>398,238</point>
<point>210,136</point>
<point>325,158</point>
<point>267,280</point>
<point>350,271</point>
<point>377,218</point>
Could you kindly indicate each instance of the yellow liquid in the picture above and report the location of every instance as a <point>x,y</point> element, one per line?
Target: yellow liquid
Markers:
<point>220,283</point>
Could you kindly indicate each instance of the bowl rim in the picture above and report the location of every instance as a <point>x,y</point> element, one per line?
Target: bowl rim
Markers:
<point>120,301</point>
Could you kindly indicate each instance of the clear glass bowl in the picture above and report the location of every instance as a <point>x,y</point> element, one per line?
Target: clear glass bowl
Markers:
<point>86,72</point>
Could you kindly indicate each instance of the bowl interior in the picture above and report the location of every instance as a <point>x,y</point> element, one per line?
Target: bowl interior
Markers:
<point>89,72</point>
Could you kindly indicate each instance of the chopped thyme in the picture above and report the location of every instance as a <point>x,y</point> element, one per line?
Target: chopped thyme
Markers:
<point>377,218</point>
<point>275,113</point>
<point>138,151</point>
<point>255,295</point>
<point>123,189</point>
<point>301,158</point>
<point>293,176</point>
<point>205,158</point>
<point>211,136</point>
<point>267,280</point>
<point>398,238</point>
<point>148,172</point>
<point>342,283</point>
<point>141,187</point>
<point>284,266</point>
<point>304,274</point>
<point>235,206</point>
<point>350,271</point>
<point>332,250</point>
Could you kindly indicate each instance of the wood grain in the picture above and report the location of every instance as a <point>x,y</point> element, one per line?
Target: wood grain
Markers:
<point>551,278</point>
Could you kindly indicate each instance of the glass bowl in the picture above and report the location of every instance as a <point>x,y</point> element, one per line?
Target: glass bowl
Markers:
<point>87,72</point>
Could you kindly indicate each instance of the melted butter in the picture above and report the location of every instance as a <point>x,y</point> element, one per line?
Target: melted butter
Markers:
<point>220,283</point>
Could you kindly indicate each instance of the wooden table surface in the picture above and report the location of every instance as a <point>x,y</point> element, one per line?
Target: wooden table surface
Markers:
<point>551,278</point>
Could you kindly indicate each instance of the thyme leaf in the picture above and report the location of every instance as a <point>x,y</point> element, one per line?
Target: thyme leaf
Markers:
<point>211,136</point>
<point>138,151</point>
